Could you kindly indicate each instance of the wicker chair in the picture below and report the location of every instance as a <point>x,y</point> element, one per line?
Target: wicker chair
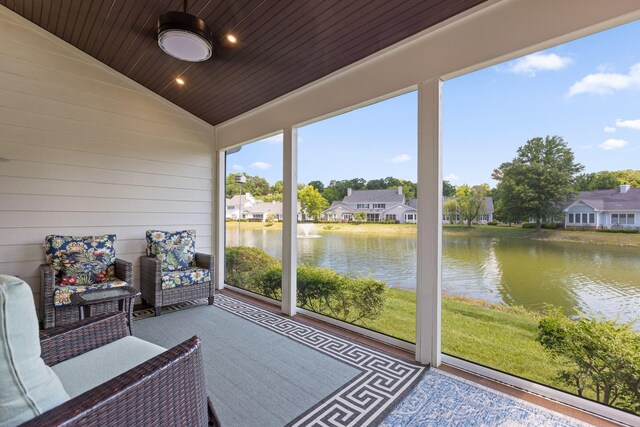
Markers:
<point>153,293</point>
<point>53,315</point>
<point>168,389</point>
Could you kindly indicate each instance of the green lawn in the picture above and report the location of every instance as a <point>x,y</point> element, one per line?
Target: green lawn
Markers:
<point>496,336</point>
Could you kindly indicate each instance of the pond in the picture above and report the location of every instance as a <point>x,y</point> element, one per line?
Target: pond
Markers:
<point>593,279</point>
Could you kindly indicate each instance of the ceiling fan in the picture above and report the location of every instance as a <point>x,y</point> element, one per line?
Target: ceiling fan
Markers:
<point>186,37</point>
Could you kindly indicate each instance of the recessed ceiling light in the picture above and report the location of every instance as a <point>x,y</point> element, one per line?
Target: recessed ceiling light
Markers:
<point>232,39</point>
<point>179,81</point>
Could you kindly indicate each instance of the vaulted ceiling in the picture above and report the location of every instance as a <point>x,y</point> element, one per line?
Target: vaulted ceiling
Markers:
<point>284,44</point>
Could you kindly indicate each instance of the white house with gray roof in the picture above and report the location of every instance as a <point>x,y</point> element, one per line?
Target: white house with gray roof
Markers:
<point>619,208</point>
<point>248,207</point>
<point>377,205</point>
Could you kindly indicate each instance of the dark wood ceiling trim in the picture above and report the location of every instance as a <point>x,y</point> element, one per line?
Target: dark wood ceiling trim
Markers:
<point>284,44</point>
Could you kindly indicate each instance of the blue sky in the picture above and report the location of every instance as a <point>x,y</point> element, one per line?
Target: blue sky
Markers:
<point>587,91</point>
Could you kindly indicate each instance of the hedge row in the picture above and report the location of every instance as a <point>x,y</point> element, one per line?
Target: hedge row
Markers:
<point>342,296</point>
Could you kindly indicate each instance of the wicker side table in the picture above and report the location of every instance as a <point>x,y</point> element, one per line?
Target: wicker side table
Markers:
<point>124,295</point>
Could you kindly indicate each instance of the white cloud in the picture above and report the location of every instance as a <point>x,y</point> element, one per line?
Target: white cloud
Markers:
<point>631,124</point>
<point>451,177</point>
<point>401,158</point>
<point>237,167</point>
<point>609,129</point>
<point>260,165</point>
<point>607,83</point>
<point>531,64</point>
<point>275,139</point>
<point>612,144</point>
<point>587,147</point>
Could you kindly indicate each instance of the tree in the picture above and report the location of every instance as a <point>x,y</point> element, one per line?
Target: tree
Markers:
<point>312,202</point>
<point>450,209</point>
<point>448,189</point>
<point>538,179</point>
<point>409,189</point>
<point>278,187</point>
<point>359,216</point>
<point>318,185</point>
<point>469,202</point>
<point>255,185</point>
<point>599,355</point>
<point>337,190</point>
<point>629,176</point>
<point>604,180</point>
<point>376,184</point>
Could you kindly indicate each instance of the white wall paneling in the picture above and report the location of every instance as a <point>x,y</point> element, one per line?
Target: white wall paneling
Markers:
<point>92,152</point>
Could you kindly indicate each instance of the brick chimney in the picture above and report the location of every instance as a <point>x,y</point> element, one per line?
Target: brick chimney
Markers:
<point>348,191</point>
<point>624,188</point>
<point>400,190</point>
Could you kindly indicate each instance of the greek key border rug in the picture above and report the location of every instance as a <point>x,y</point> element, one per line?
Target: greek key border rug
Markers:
<point>384,379</point>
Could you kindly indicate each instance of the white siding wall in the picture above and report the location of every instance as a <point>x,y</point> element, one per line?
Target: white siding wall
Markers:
<point>91,152</point>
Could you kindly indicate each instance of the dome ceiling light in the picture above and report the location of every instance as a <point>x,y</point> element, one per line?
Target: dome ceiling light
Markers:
<point>184,36</point>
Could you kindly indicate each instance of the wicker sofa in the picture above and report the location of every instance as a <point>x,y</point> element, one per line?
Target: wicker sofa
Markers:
<point>55,310</point>
<point>163,284</point>
<point>168,389</point>
<point>92,372</point>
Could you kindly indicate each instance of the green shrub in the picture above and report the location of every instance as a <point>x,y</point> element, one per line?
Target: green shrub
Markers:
<point>546,225</point>
<point>492,223</point>
<point>269,283</point>
<point>343,297</point>
<point>619,230</point>
<point>245,266</point>
<point>316,286</point>
<point>599,355</point>
<point>322,290</point>
<point>552,226</point>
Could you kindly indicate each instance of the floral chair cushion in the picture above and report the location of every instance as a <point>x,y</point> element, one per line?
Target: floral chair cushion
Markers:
<point>81,269</point>
<point>176,251</point>
<point>192,276</point>
<point>94,249</point>
<point>62,294</point>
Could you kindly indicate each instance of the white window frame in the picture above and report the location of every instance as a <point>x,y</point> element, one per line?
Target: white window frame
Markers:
<point>379,206</point>
<point>362,206</point>
<point>570,218</point>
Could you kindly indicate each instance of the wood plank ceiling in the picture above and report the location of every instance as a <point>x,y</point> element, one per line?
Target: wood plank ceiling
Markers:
<point>284,44</point>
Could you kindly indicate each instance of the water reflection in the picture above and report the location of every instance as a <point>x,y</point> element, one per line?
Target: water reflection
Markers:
<point>594,279</point>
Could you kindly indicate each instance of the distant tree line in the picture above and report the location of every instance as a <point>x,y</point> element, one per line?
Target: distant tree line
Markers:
<point>534,185</point>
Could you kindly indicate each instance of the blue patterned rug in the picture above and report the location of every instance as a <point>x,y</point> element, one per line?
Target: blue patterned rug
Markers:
<point>441,399</point>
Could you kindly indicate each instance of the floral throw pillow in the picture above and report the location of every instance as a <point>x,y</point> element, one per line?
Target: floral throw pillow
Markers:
<point>83,269</point>
<point>175,250</point>
<point>97,248</point>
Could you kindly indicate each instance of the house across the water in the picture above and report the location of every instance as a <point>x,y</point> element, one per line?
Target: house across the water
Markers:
<point>619,208</point>
<point>377,205</point>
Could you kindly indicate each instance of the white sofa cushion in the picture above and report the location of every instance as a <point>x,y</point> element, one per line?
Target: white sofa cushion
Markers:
<point>84,372</point>
<point>28,387</point>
